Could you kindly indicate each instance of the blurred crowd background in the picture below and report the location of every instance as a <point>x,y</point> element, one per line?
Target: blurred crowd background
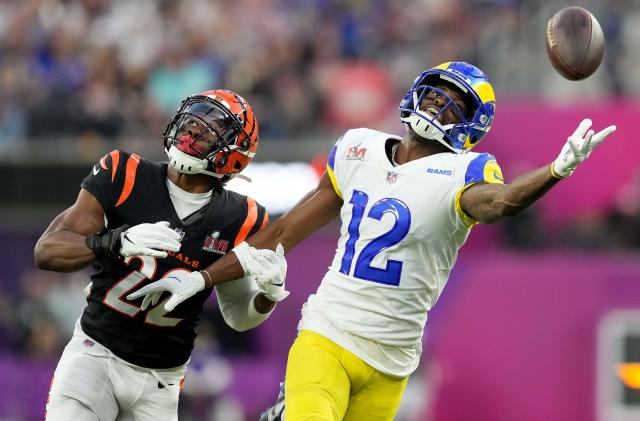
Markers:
<point>79,78</point>
<point>115,68</point>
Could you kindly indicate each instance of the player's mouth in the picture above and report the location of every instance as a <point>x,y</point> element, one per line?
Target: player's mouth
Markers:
<point>191,145</point>
<point>433,111</point>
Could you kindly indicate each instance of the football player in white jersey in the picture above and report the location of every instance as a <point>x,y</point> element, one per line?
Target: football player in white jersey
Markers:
<point>407,204</point>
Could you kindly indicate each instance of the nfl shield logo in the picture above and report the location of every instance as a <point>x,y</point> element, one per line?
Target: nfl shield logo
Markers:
<point>391,177</point>
<point>180,233</point>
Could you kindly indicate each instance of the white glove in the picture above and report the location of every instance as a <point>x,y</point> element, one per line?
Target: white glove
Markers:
<point>149,240</point>
<point>266,267</point>
<point>182,285</point>
<point>578,148</point>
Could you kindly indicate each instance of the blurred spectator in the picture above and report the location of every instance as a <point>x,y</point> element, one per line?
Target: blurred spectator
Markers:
<point>76,67</point>
<point>41,336</point>
<point>103,70</point>
<point>8,323</point>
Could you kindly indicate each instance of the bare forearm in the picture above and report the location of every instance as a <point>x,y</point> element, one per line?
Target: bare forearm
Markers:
<point>528,188</point>
<point>262,304</point>
<point>228,268</point>
<point>313,211</point>
<point>63,251</point>
<point>62,247</point>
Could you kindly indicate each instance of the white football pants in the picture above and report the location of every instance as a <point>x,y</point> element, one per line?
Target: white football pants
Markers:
<point>92,384</point>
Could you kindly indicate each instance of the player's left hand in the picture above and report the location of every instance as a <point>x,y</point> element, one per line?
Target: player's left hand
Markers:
<point>273,271</point>
<point>182,285</point>
<point>578,148</point>
<point>267,267</point>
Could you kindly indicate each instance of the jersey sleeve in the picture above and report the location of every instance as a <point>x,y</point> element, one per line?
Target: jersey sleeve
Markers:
<point>333,165</point>
<point>256,218</point>
<point>236,302</point>
<point>482,169</point>
<point>101,181</point>
<point>112,178</point>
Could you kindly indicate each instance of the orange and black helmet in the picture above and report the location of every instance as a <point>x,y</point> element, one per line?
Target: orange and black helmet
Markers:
<point>223,117</point>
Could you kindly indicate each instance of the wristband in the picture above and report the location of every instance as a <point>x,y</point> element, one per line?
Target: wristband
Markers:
<point>106,243</point>
<point>554,174</point>
<point>210,284</point>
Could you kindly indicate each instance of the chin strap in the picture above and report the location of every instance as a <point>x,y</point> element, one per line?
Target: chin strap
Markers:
<point>188,164</point>
<point>428,130</point>
<point>240,176</point>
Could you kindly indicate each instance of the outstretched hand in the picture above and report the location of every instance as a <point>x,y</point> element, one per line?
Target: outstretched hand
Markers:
<point>578,148</point>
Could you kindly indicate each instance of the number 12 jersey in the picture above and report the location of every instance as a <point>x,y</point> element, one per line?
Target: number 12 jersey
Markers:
<point>401,230</point>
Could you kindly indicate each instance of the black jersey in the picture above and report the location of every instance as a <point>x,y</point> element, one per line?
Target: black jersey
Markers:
<point>132,191</point>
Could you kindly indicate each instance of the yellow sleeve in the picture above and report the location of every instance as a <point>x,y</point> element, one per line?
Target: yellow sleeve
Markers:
<point>483,169</point>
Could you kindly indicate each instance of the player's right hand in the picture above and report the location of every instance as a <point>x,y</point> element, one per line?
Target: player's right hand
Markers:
<point>181,284</point>
<point>578,148</point>
<point>149,240</point>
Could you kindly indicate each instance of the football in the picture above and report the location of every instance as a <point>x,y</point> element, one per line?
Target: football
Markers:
<point>575,43</point>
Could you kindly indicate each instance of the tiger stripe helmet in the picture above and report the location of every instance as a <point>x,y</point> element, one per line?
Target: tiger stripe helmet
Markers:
<point>230,118</point>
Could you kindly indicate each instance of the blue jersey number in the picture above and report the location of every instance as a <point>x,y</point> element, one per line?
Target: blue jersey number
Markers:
<point>390,275</point>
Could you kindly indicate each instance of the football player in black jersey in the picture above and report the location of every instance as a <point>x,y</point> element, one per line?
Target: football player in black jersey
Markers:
<point>138,221</point>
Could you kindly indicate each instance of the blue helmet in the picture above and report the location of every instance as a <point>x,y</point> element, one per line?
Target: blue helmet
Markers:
<point>478,93</point>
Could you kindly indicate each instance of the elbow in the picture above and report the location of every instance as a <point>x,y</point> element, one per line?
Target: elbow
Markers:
<point>509,210</point>
<point>45,259</point>
<point>499,212</point>
<point>235,325</point>
<point>48,263</point>
<point>239,328</point>
<point>233,322</point>
<point>241,323</point>
<point>41,258</point>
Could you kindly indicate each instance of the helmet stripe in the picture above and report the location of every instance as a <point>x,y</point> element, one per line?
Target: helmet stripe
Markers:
<point>485,92</point>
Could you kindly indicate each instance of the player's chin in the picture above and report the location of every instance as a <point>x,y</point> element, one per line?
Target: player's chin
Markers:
<point>198,151</point>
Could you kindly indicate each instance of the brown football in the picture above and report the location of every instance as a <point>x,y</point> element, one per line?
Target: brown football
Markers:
<point>575,43</point>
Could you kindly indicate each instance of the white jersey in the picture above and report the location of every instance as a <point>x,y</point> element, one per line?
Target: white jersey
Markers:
<point>401,230</point>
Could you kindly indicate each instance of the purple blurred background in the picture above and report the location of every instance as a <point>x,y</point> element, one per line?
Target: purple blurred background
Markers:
<point>517,334</point>
<point>513,337</point>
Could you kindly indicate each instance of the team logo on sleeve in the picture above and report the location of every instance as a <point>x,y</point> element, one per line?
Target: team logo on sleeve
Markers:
<point>493,173</point>
<point>356,153</point>
<point>214,244</point>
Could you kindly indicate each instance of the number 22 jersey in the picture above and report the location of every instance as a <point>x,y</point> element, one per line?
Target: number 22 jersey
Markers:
<point>401,230</point>
<point>133,191</point>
